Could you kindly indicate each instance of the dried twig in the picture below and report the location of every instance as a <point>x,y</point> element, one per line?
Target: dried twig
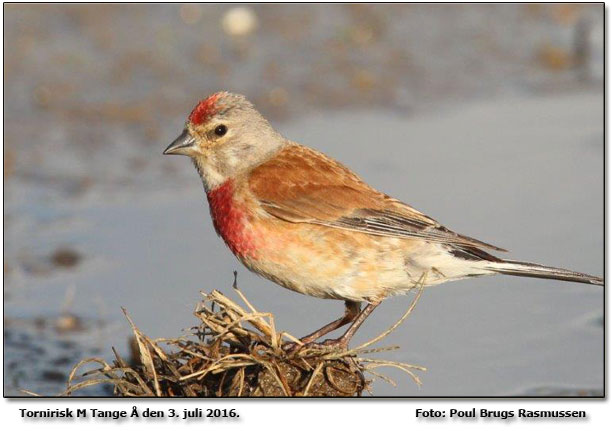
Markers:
<point>237,351</point>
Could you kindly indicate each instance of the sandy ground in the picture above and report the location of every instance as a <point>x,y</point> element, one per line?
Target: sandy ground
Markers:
<point>525,173</point>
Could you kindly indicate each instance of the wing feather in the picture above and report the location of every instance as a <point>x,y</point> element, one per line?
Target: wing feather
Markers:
<point>301,185</point>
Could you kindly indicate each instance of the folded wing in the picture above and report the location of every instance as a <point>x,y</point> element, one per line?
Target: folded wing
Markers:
<point>301,185</point>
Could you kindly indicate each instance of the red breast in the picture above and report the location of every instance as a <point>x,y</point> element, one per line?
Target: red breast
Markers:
<point>231,220</point>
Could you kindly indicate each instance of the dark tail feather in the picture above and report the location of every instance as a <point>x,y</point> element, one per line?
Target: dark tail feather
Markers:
<point>525,269</point>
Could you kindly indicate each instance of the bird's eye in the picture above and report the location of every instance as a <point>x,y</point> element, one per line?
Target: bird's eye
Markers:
<point>220,130</point>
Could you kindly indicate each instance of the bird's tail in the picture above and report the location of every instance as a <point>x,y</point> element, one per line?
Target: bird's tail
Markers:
<point>525,269</point>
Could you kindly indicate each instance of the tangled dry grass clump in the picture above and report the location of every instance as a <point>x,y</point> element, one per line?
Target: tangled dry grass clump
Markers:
<point>237,352</point>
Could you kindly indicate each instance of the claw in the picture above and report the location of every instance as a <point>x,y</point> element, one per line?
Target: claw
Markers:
<point>291,348</point>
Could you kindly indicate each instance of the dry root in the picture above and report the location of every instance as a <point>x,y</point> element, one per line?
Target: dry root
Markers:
<point>236,352</point>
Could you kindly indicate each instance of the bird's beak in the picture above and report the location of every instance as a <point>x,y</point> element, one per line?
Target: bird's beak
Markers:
<point>181,145</point>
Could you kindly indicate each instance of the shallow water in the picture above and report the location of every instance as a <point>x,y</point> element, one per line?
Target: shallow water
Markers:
<point>524,173</point>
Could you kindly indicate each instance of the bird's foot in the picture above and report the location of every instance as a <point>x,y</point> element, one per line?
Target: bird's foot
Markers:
<point>291,347</point>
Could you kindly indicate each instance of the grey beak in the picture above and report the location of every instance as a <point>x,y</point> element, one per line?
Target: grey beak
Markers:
<point>181,145</point>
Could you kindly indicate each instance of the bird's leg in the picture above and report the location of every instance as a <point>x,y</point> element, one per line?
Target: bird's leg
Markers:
<point>343,341</point>
<point>351,311</point>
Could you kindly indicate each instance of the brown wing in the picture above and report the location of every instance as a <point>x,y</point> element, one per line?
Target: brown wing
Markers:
<point>301,185</point>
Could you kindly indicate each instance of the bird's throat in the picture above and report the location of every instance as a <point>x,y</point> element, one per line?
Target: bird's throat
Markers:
<point>230,219</point>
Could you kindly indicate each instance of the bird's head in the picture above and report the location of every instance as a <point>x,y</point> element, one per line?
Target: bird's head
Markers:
<point>225,136</point>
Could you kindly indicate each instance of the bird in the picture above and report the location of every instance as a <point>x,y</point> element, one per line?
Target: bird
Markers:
<point>310,224</point>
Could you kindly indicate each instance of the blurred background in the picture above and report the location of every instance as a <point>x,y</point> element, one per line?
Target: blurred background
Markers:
<point>489,118</point>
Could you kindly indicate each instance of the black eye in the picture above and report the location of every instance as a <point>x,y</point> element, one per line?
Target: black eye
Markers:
<point>220,130</point>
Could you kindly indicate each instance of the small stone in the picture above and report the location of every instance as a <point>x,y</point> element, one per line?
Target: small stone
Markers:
<point>53,376</point>
<point>554,58</point>
<point>68,323</point>
<point>65,257</point>
<point>363,80</point>
<point>239,21</point>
